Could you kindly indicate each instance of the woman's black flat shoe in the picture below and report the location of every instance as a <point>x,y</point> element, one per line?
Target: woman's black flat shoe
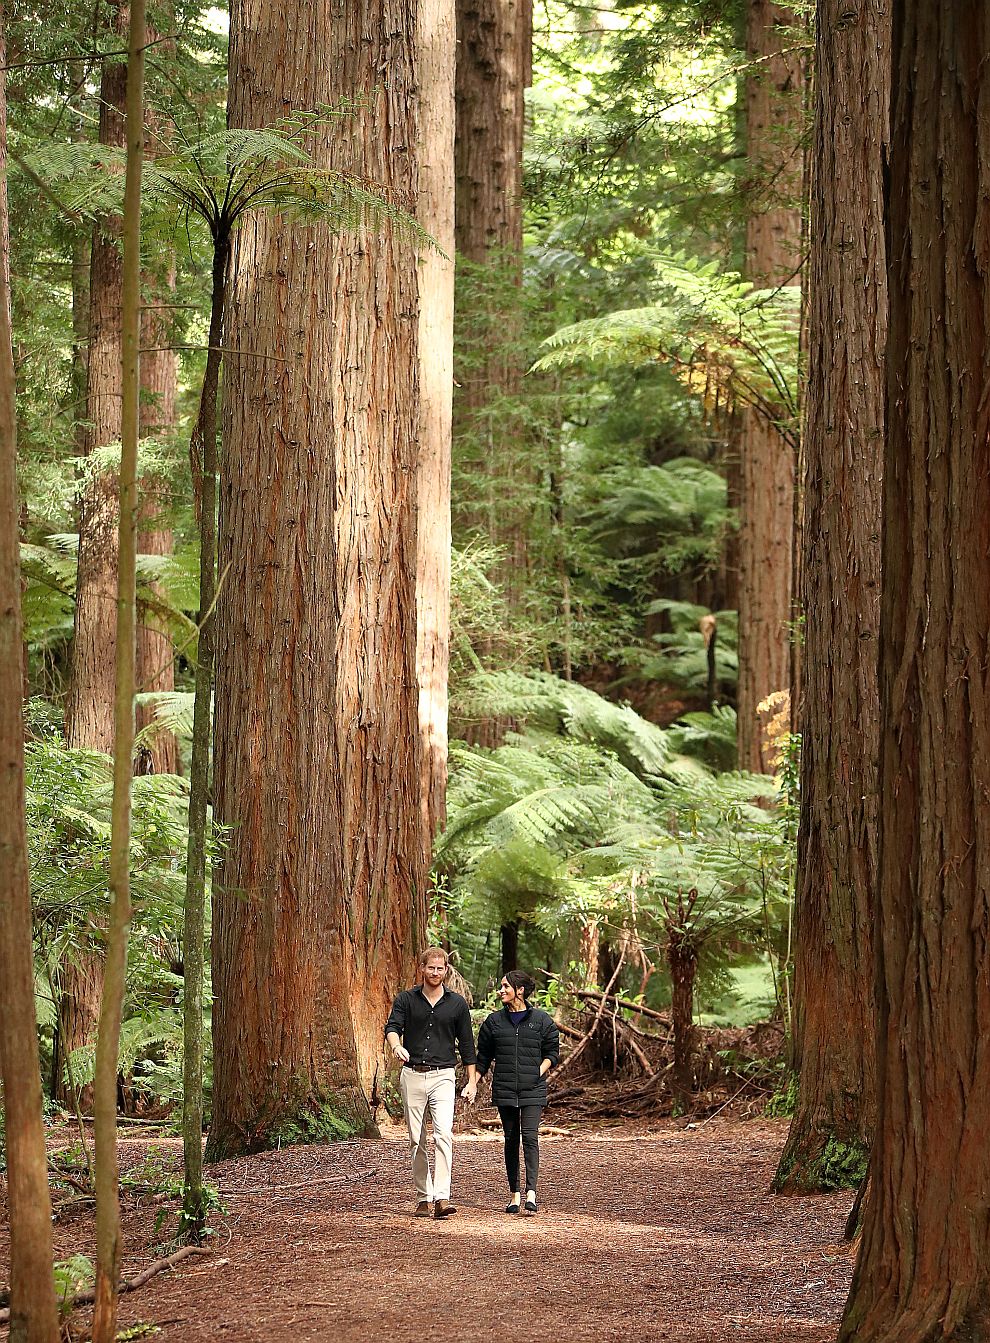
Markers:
<point>513,1207</point>
<point>529,1205</point>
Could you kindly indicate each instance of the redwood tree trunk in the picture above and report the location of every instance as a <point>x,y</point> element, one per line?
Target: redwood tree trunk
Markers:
<point>33,1317</point>
<point>774,116</point>
<point>89,710</point>
<point>89,707</point>
<point>436,50</point>
<point>923,1273</point>
<point>320,902</point>
<point>494,48</point>
<point>834,969</point>
<point>155,653</point>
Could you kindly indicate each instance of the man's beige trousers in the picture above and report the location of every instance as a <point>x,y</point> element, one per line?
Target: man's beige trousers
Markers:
<point>431,1093</point>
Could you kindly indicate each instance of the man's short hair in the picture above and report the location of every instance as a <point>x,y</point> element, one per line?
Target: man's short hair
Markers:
<point>428,955</point>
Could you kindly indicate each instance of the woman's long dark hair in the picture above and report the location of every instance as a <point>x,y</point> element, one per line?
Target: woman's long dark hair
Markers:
<point>521,981</point>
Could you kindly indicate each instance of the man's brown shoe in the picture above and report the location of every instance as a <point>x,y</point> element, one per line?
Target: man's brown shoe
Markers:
<point>443,1209</point>
<point>422,1208</point>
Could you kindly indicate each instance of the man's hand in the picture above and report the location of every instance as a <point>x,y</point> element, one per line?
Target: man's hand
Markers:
<point>470,1092</point>
<point>400,1052</point>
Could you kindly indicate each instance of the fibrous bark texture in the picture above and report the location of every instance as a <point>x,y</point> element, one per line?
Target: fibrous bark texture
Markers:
<point>89,706</point>
<point>320,899</point>
<point>33,1317</point>
<point>840,713</point>
<point>494,49</point>
<point>436,51</point>
<point>774,116</point>
<point>89,710</point>
<point>155,653</point>
<point>923,1273</point>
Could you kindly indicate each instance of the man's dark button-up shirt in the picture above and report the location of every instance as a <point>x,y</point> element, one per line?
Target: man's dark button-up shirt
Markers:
<point>430,1030</point>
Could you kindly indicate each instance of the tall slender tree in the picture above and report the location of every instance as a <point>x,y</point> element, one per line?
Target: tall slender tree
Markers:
<point>33,1317</point>
<point>321,896</point>
<point>774,122</point>
<point>108,1225</point>
<point>840,711</point>
<point>923,1273</point>
<point>436,50</point>
<point>159,384</point>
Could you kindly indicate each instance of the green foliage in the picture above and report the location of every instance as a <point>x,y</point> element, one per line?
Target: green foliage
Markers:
<point>783,1102</point>
<point>72,1276</point>
<point>68,823</point>
<point>729,343</point>
<point>843,1165</point>
<point>318,1124</point>
<point>840,1166</point>
<point>219,175</point>
<point>590,813</point>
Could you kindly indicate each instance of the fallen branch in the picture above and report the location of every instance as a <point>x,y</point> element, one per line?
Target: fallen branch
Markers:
<point>627,1035</point>
<point>132,1284</point>
<point>299,1184</point>
<point>594,995</point>
<point>582,1043</point>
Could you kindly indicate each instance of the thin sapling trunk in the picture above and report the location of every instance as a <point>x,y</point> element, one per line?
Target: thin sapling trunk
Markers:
<point>108,1230</point>
<point>205,451</point>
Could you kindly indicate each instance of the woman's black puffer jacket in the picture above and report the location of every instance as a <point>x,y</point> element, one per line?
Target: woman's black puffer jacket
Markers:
<point>517,1052</point>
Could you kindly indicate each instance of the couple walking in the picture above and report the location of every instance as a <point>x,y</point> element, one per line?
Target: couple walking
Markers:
<point>425,1026</point>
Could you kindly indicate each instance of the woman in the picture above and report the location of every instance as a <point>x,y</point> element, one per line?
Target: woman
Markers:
<point>523,1043</point>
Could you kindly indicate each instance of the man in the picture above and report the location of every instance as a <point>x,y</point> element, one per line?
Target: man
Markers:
<point>425,1024</point>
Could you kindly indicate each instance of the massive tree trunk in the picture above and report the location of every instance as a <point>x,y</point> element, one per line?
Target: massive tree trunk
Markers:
<point>774,117</point>
<point>33,1317</point>
<point>89,707</point>
<point>155,653</point>
<point>493,68</point>
<point>834,970</point>
<point>923,1273</point>
<point>320,902</point>
<point>436,49</point>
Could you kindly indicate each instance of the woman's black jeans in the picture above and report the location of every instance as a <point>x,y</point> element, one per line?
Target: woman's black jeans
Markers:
<point>521,1121</point>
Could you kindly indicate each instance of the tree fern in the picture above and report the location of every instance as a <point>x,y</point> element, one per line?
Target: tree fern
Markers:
<point>727,342</point>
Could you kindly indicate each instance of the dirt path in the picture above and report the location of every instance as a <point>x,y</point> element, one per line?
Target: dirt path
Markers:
<point>667,1236</point>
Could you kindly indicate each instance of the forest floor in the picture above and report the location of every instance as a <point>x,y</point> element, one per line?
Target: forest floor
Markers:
<point>644,1233</point>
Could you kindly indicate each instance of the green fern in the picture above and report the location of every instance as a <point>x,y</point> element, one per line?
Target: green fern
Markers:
<point>219,175</point>
<point>729,343</point>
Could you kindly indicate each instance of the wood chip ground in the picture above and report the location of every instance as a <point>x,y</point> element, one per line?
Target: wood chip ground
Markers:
<point>661,1234</point>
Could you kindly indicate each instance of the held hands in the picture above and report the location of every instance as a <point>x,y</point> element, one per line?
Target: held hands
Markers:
<point>470,1092</point>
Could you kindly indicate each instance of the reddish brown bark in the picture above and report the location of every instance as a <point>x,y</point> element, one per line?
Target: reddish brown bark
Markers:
<point>89,710</point>
<point>320,901</point>
<point>89,706</point>
<point>33,1317</point>
<point>834,968</point>
<point>436,50</point>
<point>159,369</point>
<point>774,117</point>
<point>923,1273</point>
<point>494,66</point>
